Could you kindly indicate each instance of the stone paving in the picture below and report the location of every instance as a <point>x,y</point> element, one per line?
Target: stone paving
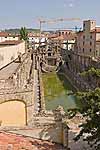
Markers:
<point>10,141</point>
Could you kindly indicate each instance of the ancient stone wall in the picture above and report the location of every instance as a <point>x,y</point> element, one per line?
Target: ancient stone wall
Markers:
<point>19,86</point>
<point>9,53</point>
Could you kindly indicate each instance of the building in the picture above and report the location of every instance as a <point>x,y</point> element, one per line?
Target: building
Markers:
<point>88,40</point>
<point>10,50</point>
<point>66,38</point>
<point>64,32</point>
<point>35,40</point>
<point>87,48</point>
<point>69,42</point>
<point>4,36</point>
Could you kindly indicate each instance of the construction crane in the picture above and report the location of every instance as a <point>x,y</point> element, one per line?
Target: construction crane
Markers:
<point>75,28</point>
<point>55,20</point>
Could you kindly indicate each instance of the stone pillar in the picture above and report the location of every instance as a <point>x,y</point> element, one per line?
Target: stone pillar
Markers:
<point>29,115</point>
<point>59,115</point>
<point>29,108</point>
<point>65,135</point>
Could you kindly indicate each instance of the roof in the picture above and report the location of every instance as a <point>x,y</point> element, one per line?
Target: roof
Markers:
<point>89,20</point>
<point>59,38</point>
<point>52,36</point>
<point>10,42</point>
<point>13,141</point>
<point>65,30</point>
<point>80,32</point>
<point>98,40</point>
<point>68,37</point>
<point>97,30</point>
<point>5,34</point>
<point>36,36</point>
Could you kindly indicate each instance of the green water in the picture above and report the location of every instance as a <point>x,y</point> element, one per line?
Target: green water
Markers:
<point>56,90</point>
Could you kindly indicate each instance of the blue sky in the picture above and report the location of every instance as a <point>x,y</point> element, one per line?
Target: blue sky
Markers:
<point>17,13</point>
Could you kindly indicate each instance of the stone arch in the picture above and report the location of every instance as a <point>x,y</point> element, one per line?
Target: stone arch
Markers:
<point>13,113</point>
<point>24,98</point>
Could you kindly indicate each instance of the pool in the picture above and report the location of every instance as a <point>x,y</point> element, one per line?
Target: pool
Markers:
<point>56,92</point>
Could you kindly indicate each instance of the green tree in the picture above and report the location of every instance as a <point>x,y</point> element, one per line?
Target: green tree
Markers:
<point>91,112</point>
<point>93,75</point>
<point>23,34</point>
<point>92,72</point>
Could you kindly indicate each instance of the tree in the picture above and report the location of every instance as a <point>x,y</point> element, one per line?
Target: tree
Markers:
<point>91,112</point>
<point>93,75</point>
<point>23,34</point>
<point>92,72</point>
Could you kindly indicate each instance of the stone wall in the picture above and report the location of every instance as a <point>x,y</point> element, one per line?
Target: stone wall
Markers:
<point>9,53</point>
<point>45,125</point>
<point>48,126</point>
<point>21,88</point>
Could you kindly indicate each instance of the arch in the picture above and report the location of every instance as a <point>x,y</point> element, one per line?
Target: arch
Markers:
<point>13,113</point>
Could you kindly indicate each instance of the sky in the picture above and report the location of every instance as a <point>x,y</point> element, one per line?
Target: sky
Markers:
<point>17,13</point>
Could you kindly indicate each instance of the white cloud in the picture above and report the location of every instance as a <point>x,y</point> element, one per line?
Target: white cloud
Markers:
<point>65,5</point>
<point>71,5</point>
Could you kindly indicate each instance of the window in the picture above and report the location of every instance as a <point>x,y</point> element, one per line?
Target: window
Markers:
<point>83,36</point>
<point>83,50</point>
<point>96,53</point>
<point>90,43</point>
<point>6,37</point>
<point>49,49</point>
<point>84,27</point>
<point>59,33</point>
<point>83,42</point>
<point>49,54</point>
<point>90,36</point>
<point>90,49</point>
<point>62,33</point>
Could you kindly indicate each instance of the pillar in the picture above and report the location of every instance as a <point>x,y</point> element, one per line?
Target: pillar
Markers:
<point>65,135</point>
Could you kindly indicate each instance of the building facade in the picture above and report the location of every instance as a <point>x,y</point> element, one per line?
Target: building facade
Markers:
<point>4,36</point>
<point>64,32</point>
<point>35,40</point>
<point>88,40</point>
